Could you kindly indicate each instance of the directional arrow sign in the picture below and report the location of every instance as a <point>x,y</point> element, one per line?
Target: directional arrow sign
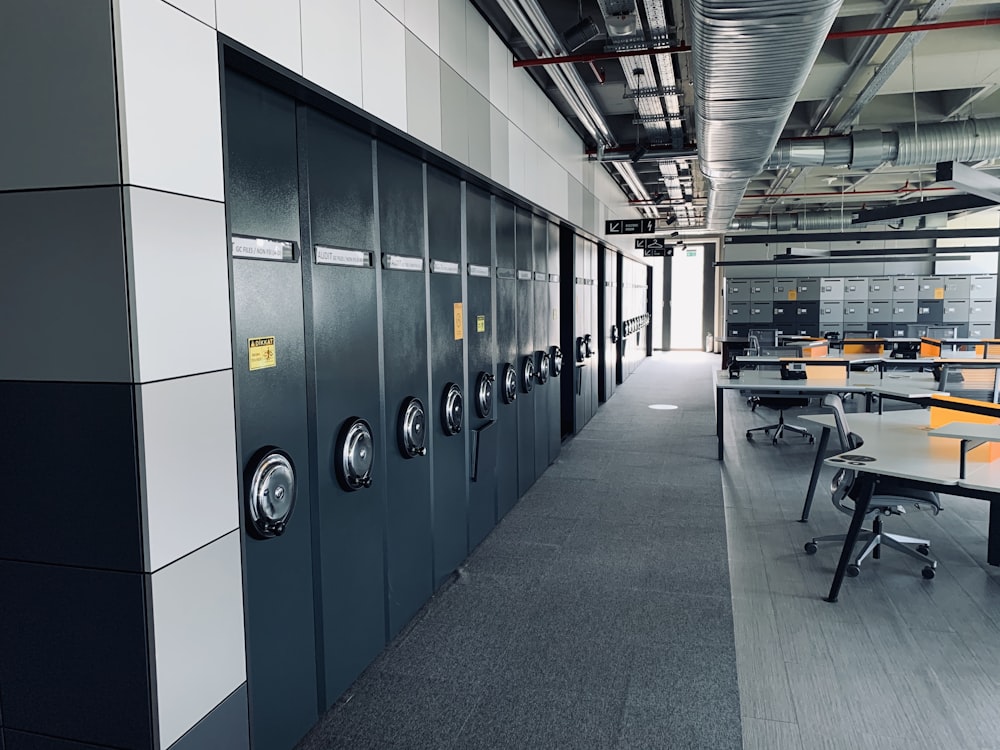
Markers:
<point>654,252</point>
<point>630,226</point>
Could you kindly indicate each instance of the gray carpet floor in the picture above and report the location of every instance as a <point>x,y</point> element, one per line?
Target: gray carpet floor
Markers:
<point>598,614</point>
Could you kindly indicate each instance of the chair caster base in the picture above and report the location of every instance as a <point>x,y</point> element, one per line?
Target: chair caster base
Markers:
<point>924,549</point>
<point>853,571</point>
<point>927,572</point>
<point>810,548</point>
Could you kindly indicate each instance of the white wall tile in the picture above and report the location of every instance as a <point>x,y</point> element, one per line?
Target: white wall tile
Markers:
<point>453,34</point>
<point>477,111</point>
<point>422,18</point>
<point>454,124</point>
<point>516,81</point>
<point>383,64</point>
<point>423,92</point>
<point>203,10</point>
<point>477,44</point>
<point>499,147</point>
<point>188,463</point>
<point>396,8</point>
<point>501,62</point>
<point>178,284</point>
<point>271,27</point>
<point>518,151</point>
<point>198,641</point>
<point>171,124</point>
<point>335,67</point>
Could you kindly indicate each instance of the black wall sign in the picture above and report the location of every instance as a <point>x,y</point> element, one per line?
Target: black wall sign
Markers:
<point>630,226</point>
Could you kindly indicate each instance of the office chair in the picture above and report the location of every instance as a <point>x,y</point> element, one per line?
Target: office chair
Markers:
<point>779,404</point>
<point>889,499</point>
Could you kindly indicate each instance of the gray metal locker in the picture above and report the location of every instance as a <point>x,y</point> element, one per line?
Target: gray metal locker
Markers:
<point>904,287</point>
<point>930,287</point>
<point>983,310</point>
<point>807,290</point>
<point>982,287</point>
<point>831,289</point>
<point>956,311</point>
<point>981,330</point>
<point>879,287</point>
<point>783,312</point>
<point>738,312</point>
<point>737,290</point>
<point>855,289</point>
<point>904,311</point>
<point>783,288</point>
<point>879,309</point>
<point>957,287</point>
<point>855,312</point>
<point>762,289</point>
<point>831,312</point>
<point>760,312</point>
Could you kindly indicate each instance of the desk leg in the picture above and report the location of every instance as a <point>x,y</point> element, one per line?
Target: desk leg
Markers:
<point>857,521</point>
<point>718,417</point>
<point>993,542</point>
<point>814,477</point>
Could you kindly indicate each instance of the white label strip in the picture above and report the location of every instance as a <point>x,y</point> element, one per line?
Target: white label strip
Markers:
<point>444,266</point>
<point>257,248</point>
<point>524,275</point>
<point>336,256</point>
<point>402,263</point>
<point>479,270</point>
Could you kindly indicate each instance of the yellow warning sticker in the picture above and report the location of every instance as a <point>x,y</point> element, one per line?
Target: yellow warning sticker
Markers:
<point>792,295</point>
<point>261,352</point>
<point>459,322</point>
<point>480,324</point>
<point>939,293</point>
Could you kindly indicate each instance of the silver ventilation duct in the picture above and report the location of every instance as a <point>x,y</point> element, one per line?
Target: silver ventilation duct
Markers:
<point>750,61</point>
<point>966,140</point>
<point>805,221</point>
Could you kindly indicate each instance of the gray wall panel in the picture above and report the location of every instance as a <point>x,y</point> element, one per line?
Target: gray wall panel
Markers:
<point>225,728</point>
<point>477,117</point>
<point>65,285</point>
<point>65,132</point>
<point>454,125</point>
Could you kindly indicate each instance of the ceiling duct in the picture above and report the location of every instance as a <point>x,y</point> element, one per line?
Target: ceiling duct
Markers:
<point>750,61</point>
<point>965,140</point>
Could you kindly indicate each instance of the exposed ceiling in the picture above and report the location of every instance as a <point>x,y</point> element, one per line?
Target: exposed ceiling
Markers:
<point>684,130</point>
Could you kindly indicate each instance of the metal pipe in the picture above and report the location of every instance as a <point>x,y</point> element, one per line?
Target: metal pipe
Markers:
<point>594,56</point>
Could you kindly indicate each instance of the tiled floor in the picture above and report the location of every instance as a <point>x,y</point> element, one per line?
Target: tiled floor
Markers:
<point>897,662</point>
<point>598,613</point>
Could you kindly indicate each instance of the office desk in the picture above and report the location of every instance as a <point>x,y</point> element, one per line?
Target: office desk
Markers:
<point>901,446</point>
<point>769,383</point>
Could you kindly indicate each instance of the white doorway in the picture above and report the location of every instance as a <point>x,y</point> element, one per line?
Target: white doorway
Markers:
<point>687,281</point>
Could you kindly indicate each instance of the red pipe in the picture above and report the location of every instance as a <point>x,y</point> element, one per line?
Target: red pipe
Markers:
<point>586,58</point>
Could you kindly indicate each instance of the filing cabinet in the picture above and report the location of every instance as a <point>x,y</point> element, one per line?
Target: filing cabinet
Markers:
<point>957,287</point>
<point>855,289</point>
<point>760,313</point>
<point>904,287</point>
<point>831,313</point>
<point>904,311</point>
<point>785,289</point>
<point>930,287</point>
<point>807,290</point>
<point>762,289</point>
<point>983,310</point>
<point>879,287</point>
<point>855,312</point>
<point>737,290</point>
<point>930,310</point>
<point>981,330</point>
<point>738,312</point>
<point>982,287</point>
<point>783,312</point>
<point>955,311</point>
<point>831,289</point>
<point>879,310</point>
